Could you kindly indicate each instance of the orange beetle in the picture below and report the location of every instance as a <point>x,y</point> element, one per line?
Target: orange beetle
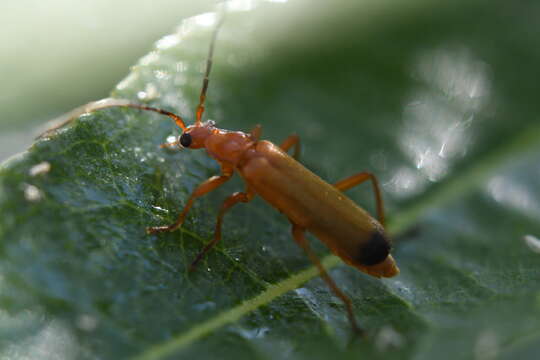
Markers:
<point>310,203</point>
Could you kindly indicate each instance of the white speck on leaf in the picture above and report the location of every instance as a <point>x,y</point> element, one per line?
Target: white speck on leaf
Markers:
<point>388,338</point>
<point>40,169</point>
<point>86,322</point>
<point>532,242</point>
<point>32,193</point>
<point>487,346</point>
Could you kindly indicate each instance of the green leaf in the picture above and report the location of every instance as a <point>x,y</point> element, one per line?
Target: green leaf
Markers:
<point>437,99</point>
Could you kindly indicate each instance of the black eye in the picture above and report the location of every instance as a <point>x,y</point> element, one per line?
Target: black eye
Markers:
<point>185,140</point>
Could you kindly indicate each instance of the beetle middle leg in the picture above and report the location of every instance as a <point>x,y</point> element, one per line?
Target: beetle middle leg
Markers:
<point>204,188</point>
<point>299,236</point>
<point>232,200</point>
<point>256,132</point>
<point>290,141</point>
<point>359,178</point>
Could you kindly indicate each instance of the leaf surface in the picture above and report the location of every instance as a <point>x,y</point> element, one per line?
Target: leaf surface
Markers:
<point>419,94</point>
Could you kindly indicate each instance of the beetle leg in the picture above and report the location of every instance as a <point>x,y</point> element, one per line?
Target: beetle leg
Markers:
<point>359,178</point>
<point>204,188</point>
<point>298,234</point>
<point>175,145</point>
<point>232,200</point>
<point>256,132</point>
<point>290,141</point>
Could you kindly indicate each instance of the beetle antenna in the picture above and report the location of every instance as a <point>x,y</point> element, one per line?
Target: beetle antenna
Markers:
<point>177,119</point>
<point>103,104</point>
<point>202,97</point>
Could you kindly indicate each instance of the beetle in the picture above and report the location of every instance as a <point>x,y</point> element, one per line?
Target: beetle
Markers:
<point>309,203</point>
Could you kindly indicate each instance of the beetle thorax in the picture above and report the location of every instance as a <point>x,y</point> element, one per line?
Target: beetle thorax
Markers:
<point>228,146</point>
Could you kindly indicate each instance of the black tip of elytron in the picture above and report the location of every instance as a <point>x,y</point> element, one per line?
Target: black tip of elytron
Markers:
<point>375,250</point>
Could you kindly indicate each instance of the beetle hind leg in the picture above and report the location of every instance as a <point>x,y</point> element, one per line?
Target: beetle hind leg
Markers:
<point>299,236</point>
<point>357,179</point>
<point>289,142</point>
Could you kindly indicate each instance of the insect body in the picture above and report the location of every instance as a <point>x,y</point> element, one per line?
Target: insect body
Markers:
<point>309,203</point>
<point>318,207</point>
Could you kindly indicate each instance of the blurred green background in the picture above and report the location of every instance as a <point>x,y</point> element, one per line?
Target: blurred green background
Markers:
<point>439,99</point>
<point>59,54</point>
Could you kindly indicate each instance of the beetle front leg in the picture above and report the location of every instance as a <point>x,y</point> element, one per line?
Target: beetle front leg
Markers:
<point>204,188</point>
<point>175,145</point>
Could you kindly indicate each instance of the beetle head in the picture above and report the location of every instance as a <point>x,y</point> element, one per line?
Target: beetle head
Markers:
<point>194,136</point>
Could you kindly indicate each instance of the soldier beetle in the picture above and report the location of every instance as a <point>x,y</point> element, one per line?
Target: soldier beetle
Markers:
<point>308,202</point>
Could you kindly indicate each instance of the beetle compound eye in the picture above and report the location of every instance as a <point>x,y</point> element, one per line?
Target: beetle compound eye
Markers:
<point>185,140</point>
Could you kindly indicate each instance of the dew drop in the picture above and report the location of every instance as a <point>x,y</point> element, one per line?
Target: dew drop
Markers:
<point>160,209</point>
<point>208,305</point>
<point>254,333</point>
